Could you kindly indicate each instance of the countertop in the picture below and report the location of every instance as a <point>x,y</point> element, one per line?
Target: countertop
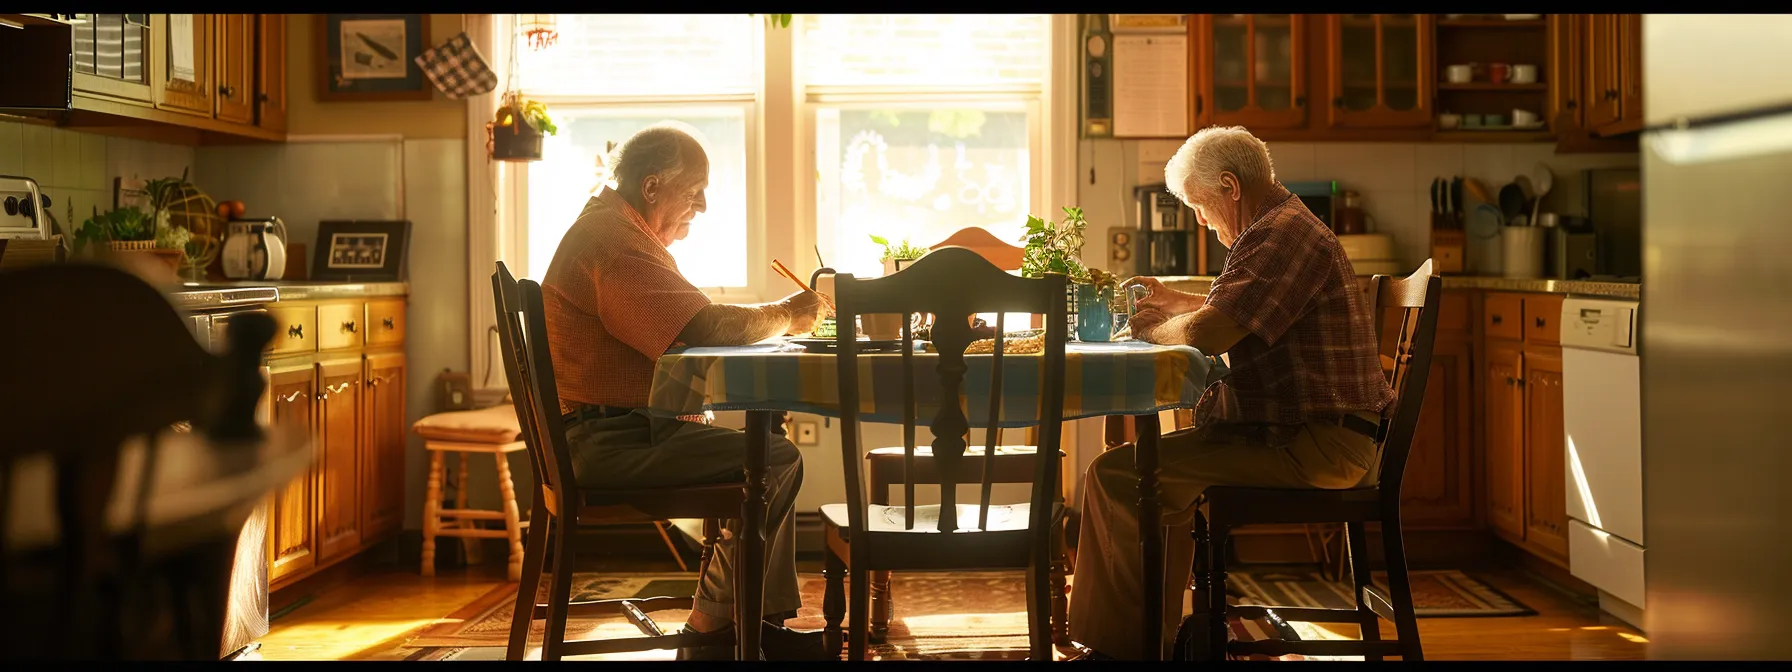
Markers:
<point>1620,290</point>
<point>208,295</point>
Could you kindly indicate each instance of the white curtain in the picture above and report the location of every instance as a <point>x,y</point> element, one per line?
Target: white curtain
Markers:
<point>492,206</point>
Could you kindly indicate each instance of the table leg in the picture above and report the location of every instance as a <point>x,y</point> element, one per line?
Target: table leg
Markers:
<point>750,600</point>
<point>1150,534</point>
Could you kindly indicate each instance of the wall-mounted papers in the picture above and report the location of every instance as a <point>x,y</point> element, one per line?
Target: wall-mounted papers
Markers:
<point>1151,93</point>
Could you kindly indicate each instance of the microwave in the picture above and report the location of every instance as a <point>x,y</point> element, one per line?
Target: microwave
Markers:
<point>1321,197</point>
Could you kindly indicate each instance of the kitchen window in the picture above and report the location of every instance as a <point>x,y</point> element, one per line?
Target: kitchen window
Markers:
<point>839,127</point>
<point>611,75</point>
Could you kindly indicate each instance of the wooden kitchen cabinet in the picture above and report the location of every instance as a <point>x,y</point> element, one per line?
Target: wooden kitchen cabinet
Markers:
<point>383,444</point>
<point>1379,70</point>
<point>339,439</point>
<point>234,52</point>
<point>1504,419</point>
<point>346,387</point>
<point>1438,489</point>
<point>270,71</point>
<point>1251,70</point>
<point>293,513</point>
<point>1546,496</point>
<point>184,89</point>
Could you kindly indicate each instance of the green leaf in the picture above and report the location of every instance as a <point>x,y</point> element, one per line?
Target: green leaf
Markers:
<point>880,240</point>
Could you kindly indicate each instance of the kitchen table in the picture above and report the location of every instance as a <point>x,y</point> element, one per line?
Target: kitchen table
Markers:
<point>1129,378</point>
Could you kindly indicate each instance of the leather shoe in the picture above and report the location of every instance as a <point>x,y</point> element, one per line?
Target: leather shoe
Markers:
<point>776,643</point>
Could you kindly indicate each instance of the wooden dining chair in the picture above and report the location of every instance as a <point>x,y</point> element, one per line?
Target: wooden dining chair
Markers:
<point>1226,508</point>
<point>1012,463</point>
<point>562,508</point>
<point>861,536</point>
<point>97,359</point>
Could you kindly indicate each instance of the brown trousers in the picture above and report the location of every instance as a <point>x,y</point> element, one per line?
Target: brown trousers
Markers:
<point>1104,599</point>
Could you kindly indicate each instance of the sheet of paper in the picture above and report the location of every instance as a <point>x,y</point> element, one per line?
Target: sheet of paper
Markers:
<point>1151,86</point>
<point>1153,155</point>
<point>180,40</point>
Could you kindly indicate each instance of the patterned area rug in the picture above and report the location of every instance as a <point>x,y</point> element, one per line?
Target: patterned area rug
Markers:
<point>1435,593</point>
<point>939,616</point>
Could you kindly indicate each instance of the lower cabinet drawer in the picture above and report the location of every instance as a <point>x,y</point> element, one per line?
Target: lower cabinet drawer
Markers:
<point>339,325</point>
<point>295,330</point>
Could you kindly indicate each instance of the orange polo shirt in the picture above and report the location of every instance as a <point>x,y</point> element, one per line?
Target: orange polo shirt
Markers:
<point>615,301</point>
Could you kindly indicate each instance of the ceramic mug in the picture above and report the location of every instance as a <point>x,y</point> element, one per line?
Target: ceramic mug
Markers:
<point>1447,121</point>
<point>1497,72</point>
<point>1523,74</point>
<point>1471,121</point>
<point>1524,118</point>
<point>1493,120</point>
<point>1459,74</point>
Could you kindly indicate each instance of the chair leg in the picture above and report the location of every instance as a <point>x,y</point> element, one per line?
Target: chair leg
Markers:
<point>1357,538</point>
<point>473,547</point>
<point>1219,539</point>
<point>881,605</point>
<point>858,612</point>
<point>664,536</point>
<point>513,524</point>
<point>833,601</point>
<point>1406,619</point>
<point>432,511</point>
<point>526,592</point>
<point>560,591</point>
<point>1198,573</point>
<point>712,530</point>
<point>1039,623</point>
<point>1060,598</point>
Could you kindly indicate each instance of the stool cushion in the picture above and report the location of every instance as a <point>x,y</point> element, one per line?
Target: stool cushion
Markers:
<point>487,425</point>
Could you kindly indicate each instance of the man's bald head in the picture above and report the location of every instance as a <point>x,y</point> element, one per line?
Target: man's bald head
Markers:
<point>662,172</point>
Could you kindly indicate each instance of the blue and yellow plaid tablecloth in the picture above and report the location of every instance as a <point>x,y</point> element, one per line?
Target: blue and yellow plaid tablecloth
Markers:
<point>1126,378</point>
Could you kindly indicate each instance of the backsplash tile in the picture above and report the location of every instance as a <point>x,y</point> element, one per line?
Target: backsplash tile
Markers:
<point>75,168</point>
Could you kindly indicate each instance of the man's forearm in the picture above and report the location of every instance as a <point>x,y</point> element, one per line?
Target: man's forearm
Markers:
<point>1207,330</point>
<point>725,324</point>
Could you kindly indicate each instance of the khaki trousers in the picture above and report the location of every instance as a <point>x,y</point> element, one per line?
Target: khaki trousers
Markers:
<point>1104,599</point>
<point>643,451</point>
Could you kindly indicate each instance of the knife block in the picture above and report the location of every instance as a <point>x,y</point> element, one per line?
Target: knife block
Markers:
<point>1446,250</point>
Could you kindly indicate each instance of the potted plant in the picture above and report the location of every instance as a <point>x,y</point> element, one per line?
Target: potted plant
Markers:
<point>1057,247</point>
<point>129,230</point>
<point>896,257</point>
<point>518,128</point>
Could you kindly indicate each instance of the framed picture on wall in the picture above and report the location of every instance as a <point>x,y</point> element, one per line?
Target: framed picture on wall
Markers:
<point>361,250</point>
<point>371,57</point>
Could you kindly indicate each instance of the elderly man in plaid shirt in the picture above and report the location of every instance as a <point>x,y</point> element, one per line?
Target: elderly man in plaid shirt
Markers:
<point>1301,408</point>
<point>615,301</point>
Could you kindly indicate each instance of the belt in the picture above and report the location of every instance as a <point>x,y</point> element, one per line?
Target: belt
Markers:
<point>1376,431</point>
<point>595,412</point>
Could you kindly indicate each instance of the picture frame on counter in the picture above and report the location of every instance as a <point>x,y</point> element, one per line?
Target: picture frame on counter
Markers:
<point>371,57</point>
<point>361,250</point>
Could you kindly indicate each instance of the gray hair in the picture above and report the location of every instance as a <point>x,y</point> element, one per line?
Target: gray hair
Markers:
<point>659,149</point>
<point>1193,174</point>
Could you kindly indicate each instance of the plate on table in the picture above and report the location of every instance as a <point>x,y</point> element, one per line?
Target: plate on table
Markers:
<point>865,345</point>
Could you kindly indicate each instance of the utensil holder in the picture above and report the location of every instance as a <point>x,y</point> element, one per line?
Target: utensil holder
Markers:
<point>1522,250</point>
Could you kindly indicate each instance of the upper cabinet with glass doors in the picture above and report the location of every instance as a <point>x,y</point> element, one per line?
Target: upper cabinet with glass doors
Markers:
<point>1379,70</point>
<point>1251,70</point>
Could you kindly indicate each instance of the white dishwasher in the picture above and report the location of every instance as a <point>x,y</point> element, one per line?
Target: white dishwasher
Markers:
<point>1602,414</point>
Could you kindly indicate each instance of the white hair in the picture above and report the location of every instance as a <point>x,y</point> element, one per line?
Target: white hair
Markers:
<point>659,149</point>
<point>1193,174</point>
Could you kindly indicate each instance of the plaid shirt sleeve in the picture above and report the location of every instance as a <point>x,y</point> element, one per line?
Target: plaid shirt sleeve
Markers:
<point>645,303</point>
<point>1271,281</point>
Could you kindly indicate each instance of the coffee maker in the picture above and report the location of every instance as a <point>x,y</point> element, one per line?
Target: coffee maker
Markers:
<point>1167,233</point>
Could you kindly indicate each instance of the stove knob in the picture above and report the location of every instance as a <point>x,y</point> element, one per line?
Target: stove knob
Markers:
<point>12,205</point>
<point>25,207</point>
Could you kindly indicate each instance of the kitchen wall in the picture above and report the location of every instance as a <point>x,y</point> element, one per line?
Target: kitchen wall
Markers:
<point>75,169</point>
<point>1393,179</point>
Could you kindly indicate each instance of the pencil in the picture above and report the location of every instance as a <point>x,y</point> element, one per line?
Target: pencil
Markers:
<point>779,267</point>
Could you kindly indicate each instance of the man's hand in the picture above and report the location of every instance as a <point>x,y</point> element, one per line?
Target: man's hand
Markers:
<point>805,310</point>
<point>1164,299</point>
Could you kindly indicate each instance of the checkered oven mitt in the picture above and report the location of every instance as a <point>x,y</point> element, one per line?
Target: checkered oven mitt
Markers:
<point>457,68</point>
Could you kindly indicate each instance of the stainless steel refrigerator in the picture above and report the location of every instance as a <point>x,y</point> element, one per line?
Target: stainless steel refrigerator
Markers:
<point>1716,335</point>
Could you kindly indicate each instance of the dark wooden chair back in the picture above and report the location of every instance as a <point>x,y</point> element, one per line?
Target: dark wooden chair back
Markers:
<point>1417,296</point>
<point>97,357</point>
<point>529,369</point>
<point>953,284</point>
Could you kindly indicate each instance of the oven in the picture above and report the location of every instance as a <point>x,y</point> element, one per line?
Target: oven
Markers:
<point>210,312</point>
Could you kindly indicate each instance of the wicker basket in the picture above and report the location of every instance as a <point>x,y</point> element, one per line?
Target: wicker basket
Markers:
<point>131,245</point>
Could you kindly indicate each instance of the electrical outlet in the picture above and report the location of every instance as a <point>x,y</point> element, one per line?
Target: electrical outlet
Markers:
<point>807,434</point>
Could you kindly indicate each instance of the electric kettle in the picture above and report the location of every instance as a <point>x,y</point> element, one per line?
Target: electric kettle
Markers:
<point>255,249</point>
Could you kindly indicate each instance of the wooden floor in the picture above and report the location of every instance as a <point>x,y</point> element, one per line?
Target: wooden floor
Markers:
<point>371,615</point>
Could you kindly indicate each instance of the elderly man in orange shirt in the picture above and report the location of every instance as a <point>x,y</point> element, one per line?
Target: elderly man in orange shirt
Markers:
<point>615,301</point>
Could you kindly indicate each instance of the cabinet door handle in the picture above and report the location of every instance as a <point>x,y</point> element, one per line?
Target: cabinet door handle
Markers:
<point>1611,94</point>
<point>292,397</point>
<point>295,331</point>
<point>227,91</point>
<point>1518,381</point>
<point>261,97</point>
<point>388,323</point>
<point>1569,104</point>
<point>1497,319</point>
<point>1338,102</point>
<point>339,388</point>
<point>1197,104</point>
<point>1300,101</point>
<point>1509,380</point>
<point>349,326</point>
<point>1540,323</point>
<point>376,380</point>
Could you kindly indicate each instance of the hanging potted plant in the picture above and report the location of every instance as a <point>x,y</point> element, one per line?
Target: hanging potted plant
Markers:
<point>518,127</point>
<point>1057,247</point>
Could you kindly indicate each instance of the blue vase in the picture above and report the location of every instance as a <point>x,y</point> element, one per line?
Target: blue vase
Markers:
<point>1094,314</point>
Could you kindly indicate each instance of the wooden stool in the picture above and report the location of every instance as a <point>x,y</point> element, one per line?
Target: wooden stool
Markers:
<point>491,430</point>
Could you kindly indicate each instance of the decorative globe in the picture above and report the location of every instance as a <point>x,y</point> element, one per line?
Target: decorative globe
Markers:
<point>185,206</point>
